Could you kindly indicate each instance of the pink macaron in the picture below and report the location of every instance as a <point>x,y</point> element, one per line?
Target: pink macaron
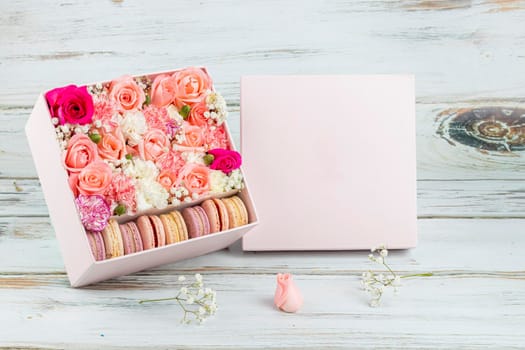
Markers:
<point>131,238</point>
<point>196,221</point>
<point>96,242</point>
<point>146,232</point>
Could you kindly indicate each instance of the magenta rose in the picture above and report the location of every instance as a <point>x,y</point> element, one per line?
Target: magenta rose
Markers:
<point>225,160</point>
<point>70,104</point>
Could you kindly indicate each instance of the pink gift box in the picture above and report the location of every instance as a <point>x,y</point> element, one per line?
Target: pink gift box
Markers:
<point>331,160</point>
<point>82,269</point>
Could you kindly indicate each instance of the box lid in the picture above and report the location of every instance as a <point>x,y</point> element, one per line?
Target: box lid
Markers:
<point>331,161</point>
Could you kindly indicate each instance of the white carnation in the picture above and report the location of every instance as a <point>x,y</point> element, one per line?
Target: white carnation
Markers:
<point>150,194</point>
<point>141,169</point>
<point>133,126</point>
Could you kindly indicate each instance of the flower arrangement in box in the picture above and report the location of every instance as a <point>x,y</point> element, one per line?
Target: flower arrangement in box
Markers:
<point>138,143</point>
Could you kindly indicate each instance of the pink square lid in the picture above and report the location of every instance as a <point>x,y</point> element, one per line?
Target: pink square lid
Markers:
<point>331,161</point>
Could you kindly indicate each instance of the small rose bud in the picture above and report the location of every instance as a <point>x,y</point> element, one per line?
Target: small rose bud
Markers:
<point>95,137</point>
<point>208,159</point>
<point>120,210</point>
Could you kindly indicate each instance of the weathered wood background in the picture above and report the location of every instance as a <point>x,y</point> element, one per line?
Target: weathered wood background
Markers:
<point>466,54</point>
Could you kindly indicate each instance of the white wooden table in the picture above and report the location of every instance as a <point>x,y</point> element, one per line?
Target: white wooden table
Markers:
<point>465,54</point>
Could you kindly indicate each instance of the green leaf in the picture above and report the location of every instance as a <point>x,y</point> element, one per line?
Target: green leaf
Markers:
<point>120,210</point>
<point>185,111</point>
<point>95,137</point>
<point>147,102</point>
<point>129,156</point>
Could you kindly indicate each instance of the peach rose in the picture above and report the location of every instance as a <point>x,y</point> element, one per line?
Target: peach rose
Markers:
<point>196,116</point>
<point>196,178</point>
<point>154,143</point>
<point>287,297</point>
<point>167,179</point>
<point>126,92</point>
<point>162,90</point>
<point>193,136</point>
<point>111,145</point>
<point>190,86</point>
<point>80,152</point>
<point>94,178</point>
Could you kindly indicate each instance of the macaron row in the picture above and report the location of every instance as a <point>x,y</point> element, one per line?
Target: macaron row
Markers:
<point>150,231</point>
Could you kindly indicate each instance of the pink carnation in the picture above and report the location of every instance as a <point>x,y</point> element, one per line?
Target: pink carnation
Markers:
<point>121,190</point>
<point>106,112</point>
<point>158,118</point>
<point>216,137</point>
<point>170,161</point>
<point>94,212</point>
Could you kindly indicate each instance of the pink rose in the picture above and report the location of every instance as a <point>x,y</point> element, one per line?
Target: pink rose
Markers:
<point>195,178</point>
<point>287,297</point>
<point>216,137</point>
<point>111,145</point>
<point>154,143</point>
<point>225,160</point>
<point>70,104</point>
<point>162,90</point>
<point>126,93</point>
<point>94,178</point>
<point>190,86</point>
<point>196,116</point>
<point>80,152</point>
<point>167,179</point>
<point>121,190</point>
<point>193,136</point>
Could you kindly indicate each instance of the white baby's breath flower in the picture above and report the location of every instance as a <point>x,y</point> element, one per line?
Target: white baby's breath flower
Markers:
<point>218,181</point>
<point>184,290</point>
<point>182,278</point>
<point>384,253</point>
<point>193,157</point>
<point>198,277</point>
<point>190,300</point>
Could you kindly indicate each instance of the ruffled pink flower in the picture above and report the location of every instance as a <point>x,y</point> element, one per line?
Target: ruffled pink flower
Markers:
<point>216,137</point>
<point>158,118</point>
<point>170,161</point>
<point>287,297</point>
<point>121,190</point>
<point>94,212</point>
<point>70,104</point>
<point>106,112</point>
<point>225,160</point>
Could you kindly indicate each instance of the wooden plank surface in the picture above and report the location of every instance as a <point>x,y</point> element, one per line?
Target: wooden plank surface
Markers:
<point>468,57</point>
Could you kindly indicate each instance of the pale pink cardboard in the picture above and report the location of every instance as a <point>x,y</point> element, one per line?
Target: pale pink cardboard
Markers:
<point>81,267</point>
<point>331,160</point>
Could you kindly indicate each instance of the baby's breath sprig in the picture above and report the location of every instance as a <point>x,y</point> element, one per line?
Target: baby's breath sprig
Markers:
<point>376,283</point>
<point>197,302</point>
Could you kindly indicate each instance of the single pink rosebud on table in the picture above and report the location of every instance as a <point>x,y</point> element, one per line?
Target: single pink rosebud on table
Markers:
<point>287,298</point>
